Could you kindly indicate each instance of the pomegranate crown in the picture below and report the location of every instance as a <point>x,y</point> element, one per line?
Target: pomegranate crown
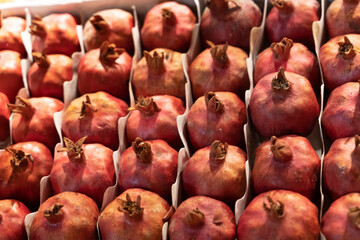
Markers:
<point>213,103</point>
<point>146,105</point>
<point>218,151</point>
<point>131,208</point>
<point>347,49</point>
<point>20,160</point>
<point>74,150</point>
<point>99,23</point>
<point>281,151</point>
<point>280,82</point>
<point>37,27</point>
<point>274,208</point>
<point>142,150</point>
<point>194,218</point>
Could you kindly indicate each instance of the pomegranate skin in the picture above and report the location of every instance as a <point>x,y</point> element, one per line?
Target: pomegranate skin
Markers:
<point>12,216</point>
<point>229,21</point>
<point>216,116</point>
<point>341,116</point>
<point>279,214</point>
<point>219,68</point>
<point>10,34</point>
<point>10,74</point>
<point>112,25</point>
<point>202,218</point>
<point>4,117</point>
<point>75,220</point>
<point>168,25</point>
<point>292,19</point>
<point>141,224</point>
<point>340,220</point>
<point>47,75</point>
<point>20,178</point>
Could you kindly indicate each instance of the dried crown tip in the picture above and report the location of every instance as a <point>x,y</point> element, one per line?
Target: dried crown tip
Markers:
<point>280,151</point>
<point>37,27</point>
<point>168,15</point>
<point>41,59</point>
<point>86,107</point>
<point>194,218</point>
<point>354,216</point>
<point>282,49</point>
<point>218,52</point>
<point>282,5</point>
<point>347,49</point>
<point>274,208</point>
<point>132,208</point>
<point>142,150</point>
<point>146,105</point>
<point>22,106</point>
<point>99,23</point>
<point>218,150</point>
<point>213,103</point>
<point>280,81</point>
<point>54,210</point>
<point>74,150</point>
<point>19,162</point>
<point>109,53</point>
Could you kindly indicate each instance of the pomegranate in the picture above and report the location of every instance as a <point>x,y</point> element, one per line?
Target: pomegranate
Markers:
<point>343,17</point>
<point>341,221</point>
<point>138,213</point>
<point>283,103</point>
<point>33,120</point>
<point>10,74</point>
<point>106,69</point>
<point>159,72</point>
<point>150,165</point>
<point>216,116</point>
<point>155,118</point>
<point>219,68</point>
<point>340,59</point>
<point>229,21</point>
<point>202,218</point>
<point>22,166</point>
<point>90,167</point>
<point>293,57</point>
<point>112,25</point>
<point>68,215</point>
<point>10,34</point>
<point>12,216</point>
<point>4,117</point>
<point>55,32</point>
<point>292,19</point>
<point>341,116</point>
<point>47,75</point>
<point>168,25</point>
<point>279,214</point>
<point>94,115</point>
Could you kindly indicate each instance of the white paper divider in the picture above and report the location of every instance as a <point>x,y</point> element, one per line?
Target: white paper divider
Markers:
<point>26,36</point>
<point>25,66</point>
<point>28,221</point>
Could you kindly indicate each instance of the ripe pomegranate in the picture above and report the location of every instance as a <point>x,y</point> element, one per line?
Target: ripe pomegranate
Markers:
<point>216,116</point>
<point>10,74</point>
<point>202,217</point>
<point>68,215</point>
<point>159,72</point>
<point>340,59</point>
<point>292,19</point>
<point>219,68</point>
<point>56,33</point>
<point>12,216</point>
<point>341,116</point>
<point>229,21</point>
<point>112,25</point>
<point>10,34</point>
<point>283,103</point>
<point>139,215</point>
<point>293,57</point>
<point>90,167</point>
<point>279,214</point>
<point>106,69</point>
<point>47,75</point>
<point>4,117</point>
<point>343,17</point>
<point>22,166</point>
<point>33,120</point>
<point>168,25</point>
<point>94,115</point>
<point>341,221</point>
<point>155,118</point>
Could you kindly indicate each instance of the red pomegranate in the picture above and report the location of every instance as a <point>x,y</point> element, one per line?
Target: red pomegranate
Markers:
<point>229,21</point>
<point>292,19</point>
<point>10,74</point>
<point>293,57</point>
<point>150,165</point>
<point>168,25</point>
<point>22,166</point>
<point>33,120</point>
<point>340,59</point>
<point>68,215</point>
<point>341,116</point>
<point>56,33</point>
<point>219,68</point>
<point>90,167</point>
<point>112,25</point>
<point>343,17</point>
<point>279,214</point>
<point>155,118</point>
<point>94,115</point>
<point>341,221</point>
<point>47,75</point>
<point>283,103</point>
<point>10,34</point>
<point>4,117</point>
<point>12,216</point>
<point>106,69</point>
<point>216,116</point>
<point>138,213</point>
<point>159,72</point>
<point>202,218</point>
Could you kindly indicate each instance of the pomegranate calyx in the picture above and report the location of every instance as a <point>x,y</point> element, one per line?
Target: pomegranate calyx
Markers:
<point>281,50</point>
<point>23,107</point>
<point>37,27</point>
<point>280,151</point>
<point>274,209</point>
<point>280,82</point>
<point>146,105</point>
<point>41,59</point>
<point>20,160</point>
<point>142,150</point>
<point>221,5</point>
<point>354,216</point>
<point>74,150</point>
<point>195,218</point>
<point>109,53</point>
<point>132,208</point>
<point>283,5</point>
<point>99,23</point>
<point>155,63</point>
<point>168,16</point>
<point>54,213</point>
<point>346,49</point>
<point>213,103</point>
<point>218,151</point>
<point>218,52</point>
<point>86,107</point>
<point>169,214</point>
